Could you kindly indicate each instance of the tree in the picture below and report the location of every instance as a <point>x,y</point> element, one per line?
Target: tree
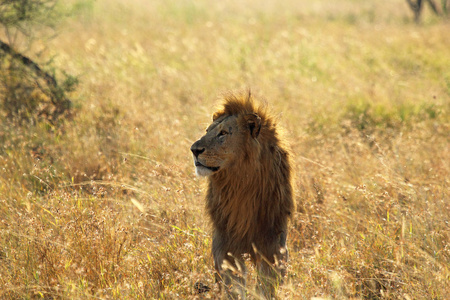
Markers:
<point>26,88</point>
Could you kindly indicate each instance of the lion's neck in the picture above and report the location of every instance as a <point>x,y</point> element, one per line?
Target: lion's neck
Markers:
<point>234,201</point>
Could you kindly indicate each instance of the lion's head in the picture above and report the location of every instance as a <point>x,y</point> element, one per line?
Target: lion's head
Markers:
<point>221,146</point>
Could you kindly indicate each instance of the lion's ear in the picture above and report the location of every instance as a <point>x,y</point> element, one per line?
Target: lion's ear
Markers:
<point>254,124</point>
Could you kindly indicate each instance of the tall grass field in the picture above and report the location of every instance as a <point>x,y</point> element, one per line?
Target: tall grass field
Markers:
<point>106,205</point>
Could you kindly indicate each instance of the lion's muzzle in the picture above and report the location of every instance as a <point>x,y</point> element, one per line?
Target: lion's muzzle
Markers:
<point>201,169</point>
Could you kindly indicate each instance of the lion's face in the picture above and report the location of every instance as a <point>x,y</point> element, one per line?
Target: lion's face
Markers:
<point>219,147</point>
<point>216,149</point>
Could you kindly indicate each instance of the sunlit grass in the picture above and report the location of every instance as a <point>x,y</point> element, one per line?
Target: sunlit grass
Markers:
<point>107,205</point>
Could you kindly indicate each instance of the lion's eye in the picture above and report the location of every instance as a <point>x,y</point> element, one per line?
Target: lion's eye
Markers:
<point>222,132</point>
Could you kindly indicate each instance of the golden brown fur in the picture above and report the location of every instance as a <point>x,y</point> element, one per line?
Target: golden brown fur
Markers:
<point>250,195</point>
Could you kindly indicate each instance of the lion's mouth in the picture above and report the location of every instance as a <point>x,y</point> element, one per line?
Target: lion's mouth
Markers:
<point>214,169</point>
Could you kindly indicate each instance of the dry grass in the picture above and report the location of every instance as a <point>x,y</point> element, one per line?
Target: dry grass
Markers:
<point>108,206</point>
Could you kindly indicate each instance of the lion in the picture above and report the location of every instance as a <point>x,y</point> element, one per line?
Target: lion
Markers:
<point>249,196</point>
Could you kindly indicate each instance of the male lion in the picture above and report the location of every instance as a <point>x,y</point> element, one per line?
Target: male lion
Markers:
<point>250,195</point>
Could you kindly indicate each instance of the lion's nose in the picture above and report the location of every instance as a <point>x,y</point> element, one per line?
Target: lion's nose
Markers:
<point>196,150</point>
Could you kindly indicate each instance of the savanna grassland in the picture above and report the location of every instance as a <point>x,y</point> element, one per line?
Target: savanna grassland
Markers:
<point>106,205</point>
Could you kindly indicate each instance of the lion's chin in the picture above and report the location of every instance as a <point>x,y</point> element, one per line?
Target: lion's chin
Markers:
<point>202,170</point>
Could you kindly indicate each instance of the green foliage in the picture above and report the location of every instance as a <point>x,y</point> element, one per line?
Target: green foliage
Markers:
<point>27,91</point>
<point>367,117</point>
<point>185,10</point>
<point>27,96</point>
<point>23,15</point>
<point>82,8</point>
